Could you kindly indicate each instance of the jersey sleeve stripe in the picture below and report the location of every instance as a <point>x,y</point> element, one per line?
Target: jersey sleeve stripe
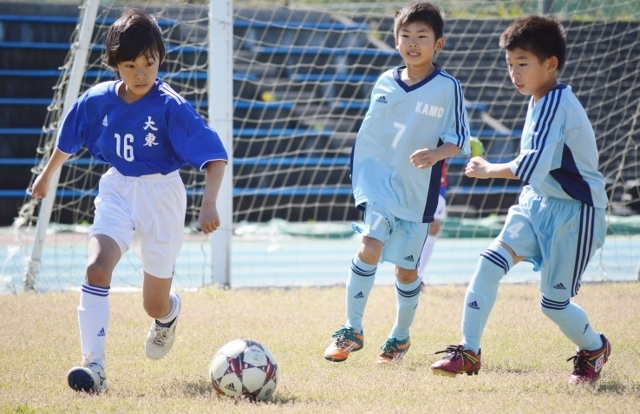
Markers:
<point>169,91</point>
<point>462,128</point>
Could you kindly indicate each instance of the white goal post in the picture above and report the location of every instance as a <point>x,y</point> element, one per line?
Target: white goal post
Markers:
<point>80,54</point>
<point>220,76</point>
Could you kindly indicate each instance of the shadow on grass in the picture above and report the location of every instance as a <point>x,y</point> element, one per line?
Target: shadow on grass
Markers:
<point>205,389</point>
<point>616,387</point>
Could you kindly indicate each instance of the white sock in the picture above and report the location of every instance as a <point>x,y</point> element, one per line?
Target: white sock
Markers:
<point>407,296</point>
<point>174,310</point>
<point>482,292</point>
<point>93,321</point>
<point>427,251</point>
<point>359,284</point>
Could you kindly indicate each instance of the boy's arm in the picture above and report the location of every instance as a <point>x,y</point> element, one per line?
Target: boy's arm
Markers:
<point>40,186</point>
<point>426,158</point>
<point>478,167</point>
<point>209,219</point>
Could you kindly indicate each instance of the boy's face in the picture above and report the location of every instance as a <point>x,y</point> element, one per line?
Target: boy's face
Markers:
<point>417,44</point>
<point>530,75</point>
<point>138,76</point>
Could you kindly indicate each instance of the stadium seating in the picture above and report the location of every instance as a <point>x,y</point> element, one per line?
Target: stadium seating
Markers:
<point>35,41</point>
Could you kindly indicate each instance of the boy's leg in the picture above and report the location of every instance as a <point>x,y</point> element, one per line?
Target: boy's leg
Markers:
<point>375,231</point>
<point>164,306</point>
<point>481,295</point>
<point>593,347</point>
<point>434,231</point>
<point>403,249</point>
<point>93,315</point>
<point>579,230</point>
<point>407,298</point>
<point>493,265</point>
<point>359,284</point>
<point>427,249</point>
<point>515,242</point>
<point>360,281</point>
<point>158,211</point>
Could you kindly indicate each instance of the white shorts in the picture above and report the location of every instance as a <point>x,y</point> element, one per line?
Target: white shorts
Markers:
<point>441,210</point>
<point>402,239</point>
<point>146,213</point>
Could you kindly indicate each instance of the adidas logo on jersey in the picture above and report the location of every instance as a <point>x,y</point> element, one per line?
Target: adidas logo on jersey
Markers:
<point>409,258</point>
<point>105,121</point>
<point>359,295</point>
<point>473,305</point>
<point>101,333</point>
<point>382,99</point>
<point>560,286</point>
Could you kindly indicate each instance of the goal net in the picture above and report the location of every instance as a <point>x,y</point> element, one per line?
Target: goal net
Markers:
<point>302,74</point>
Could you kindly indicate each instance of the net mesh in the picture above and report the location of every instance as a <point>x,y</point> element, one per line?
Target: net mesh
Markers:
<point>303,72</point>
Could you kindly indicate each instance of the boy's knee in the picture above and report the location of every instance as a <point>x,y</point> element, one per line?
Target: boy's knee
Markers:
<point>553,308</point>
<point>98,275</point>
<point>495,262</point>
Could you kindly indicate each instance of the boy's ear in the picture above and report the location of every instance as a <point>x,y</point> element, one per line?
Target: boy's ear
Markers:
<point>440,44</point>
<point>552,63</point>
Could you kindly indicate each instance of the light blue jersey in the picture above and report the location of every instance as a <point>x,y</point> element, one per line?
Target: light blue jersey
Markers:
<point>402,119</point>
<point>159,133</point>
<point>558,154</point>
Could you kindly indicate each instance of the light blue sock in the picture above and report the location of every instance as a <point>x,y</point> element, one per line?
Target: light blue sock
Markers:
<point>482,292</point>
<point>359,284</point>
<point>573,323</point>
<point>407,297</point>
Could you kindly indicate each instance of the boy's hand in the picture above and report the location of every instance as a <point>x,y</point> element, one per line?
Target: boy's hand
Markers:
<point>40,187</point>
<point>209,219</point>
<point>477,167</point>
<point>423,158</point>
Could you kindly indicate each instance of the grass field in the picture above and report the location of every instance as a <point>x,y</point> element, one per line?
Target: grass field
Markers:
<point>524,355</point>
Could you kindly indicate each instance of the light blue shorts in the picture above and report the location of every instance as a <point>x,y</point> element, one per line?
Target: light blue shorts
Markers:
<point>558,236</point>
<point>402,239</point>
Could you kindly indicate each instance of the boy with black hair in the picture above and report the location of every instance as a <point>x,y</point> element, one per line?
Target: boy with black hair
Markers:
<point>559,221</point>
<point>415,121</point>
<point>147,132</point>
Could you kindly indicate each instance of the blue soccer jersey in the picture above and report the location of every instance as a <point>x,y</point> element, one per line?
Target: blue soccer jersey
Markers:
<point>558,154</point>
<point>159,133</point>
<point>402,119</point>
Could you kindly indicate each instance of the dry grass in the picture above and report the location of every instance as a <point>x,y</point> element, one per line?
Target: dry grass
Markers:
<point>524,354</point>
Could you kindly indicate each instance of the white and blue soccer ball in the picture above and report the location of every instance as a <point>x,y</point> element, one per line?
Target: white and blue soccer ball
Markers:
<point>244,368</point>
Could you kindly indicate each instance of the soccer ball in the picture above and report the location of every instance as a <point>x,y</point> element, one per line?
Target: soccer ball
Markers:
<point>244,368</point>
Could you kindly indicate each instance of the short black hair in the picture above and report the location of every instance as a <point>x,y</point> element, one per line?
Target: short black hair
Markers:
<point>424,12</point>
<point>133,34</point>
<point>543,36</point>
